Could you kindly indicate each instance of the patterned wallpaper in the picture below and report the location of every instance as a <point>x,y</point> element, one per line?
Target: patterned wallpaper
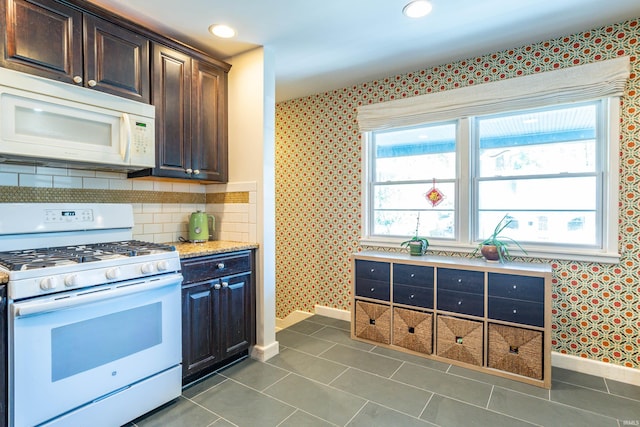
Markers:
<point>596,307</point>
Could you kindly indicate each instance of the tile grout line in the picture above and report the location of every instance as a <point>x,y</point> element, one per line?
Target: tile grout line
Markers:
<point>424,408</point>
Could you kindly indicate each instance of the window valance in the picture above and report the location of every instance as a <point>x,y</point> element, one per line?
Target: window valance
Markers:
<point>579,83</point>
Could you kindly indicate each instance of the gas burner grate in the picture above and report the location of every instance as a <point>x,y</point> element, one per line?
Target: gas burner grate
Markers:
<point>64,255</point>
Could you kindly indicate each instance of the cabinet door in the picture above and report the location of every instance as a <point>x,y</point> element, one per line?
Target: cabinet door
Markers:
<point>236,321</point>
<point>209,121</point>
<point>172,99</point>
<point>41,37</point>
<point>116,60</point>
<point>3,354</point>
<point>200,339</point>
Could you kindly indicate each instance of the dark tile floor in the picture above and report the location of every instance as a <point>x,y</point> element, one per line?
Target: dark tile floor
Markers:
<point>323,378</point>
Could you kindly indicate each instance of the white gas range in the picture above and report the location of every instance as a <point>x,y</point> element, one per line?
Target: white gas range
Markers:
<point>94,317</point>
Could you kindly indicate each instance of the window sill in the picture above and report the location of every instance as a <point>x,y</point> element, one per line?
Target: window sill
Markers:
<point>555,253</point>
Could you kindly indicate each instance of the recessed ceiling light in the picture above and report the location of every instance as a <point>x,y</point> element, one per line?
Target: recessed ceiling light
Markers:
<point>417,8</point>
<point>221,30</point>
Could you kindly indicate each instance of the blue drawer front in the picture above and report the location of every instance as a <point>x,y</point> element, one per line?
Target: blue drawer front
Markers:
<point>419,296</point>
<point>516,287</point>
<point>413,275</point>
<point>516,311</point>
<point>373,280</point>
<point>461,302</point>
<point>461,281</point>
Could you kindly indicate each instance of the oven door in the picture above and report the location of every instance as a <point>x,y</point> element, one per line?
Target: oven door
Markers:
<point>68,351</point>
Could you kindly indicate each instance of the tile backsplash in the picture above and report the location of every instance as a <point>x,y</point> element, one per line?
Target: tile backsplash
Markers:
<point>161,208</point>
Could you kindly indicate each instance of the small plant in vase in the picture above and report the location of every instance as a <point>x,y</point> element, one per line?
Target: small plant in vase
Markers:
<point>417,245</point>
<point>495,248</point>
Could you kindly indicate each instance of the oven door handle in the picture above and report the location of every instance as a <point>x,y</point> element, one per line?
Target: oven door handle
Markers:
<point>29,308</point>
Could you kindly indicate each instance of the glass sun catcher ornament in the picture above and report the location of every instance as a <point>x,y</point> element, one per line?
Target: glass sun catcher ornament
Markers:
<point>434,196</point>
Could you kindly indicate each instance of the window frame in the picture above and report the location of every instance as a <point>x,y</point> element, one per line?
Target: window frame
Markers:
<point>466,203</point>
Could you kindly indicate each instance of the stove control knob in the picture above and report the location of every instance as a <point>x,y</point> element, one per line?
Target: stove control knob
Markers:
<point>113,273</point>
<point>71,280</point>
<point>162,266</point>
<point>147,268</point>
<point>48,283</point>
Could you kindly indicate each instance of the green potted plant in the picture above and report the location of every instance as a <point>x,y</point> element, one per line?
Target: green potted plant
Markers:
<point>495,247</point>
<point>417,245</point>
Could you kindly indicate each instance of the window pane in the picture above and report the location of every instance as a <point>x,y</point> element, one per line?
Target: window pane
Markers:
<point>562,228</point>
<point>403,223</point>
<point>555,194</point>
<point>554,141</point>
<point>411,196</point>
<point>415,154</point>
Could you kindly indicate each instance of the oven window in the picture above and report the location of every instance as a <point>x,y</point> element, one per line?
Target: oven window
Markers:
<point>85,345</point>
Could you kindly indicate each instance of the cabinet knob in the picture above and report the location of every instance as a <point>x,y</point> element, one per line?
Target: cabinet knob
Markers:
<point>225,284</point>
<point>515,311</point>
<point>220,265</point>
<point>373,269</point>
<point>92,83</point>
<point>459,280</point>
<point>189,171</point>
<point>515,286</point>
<point>196,172</point>
<point>373,289</point>
<point>77,79</point>
<point>216,286</point>
<point>413,275</point>
<point>411,296</point>
<point>459,302</point>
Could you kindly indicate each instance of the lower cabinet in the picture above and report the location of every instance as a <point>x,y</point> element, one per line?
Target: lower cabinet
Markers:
<point>495,318</point>
<point>218,311</point>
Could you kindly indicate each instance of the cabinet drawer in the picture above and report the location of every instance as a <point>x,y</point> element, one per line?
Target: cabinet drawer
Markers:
<point>373,270</point>
<point>213,267</point>
<point>516,311</point>
<point>462,281</point>
<point>461,302</point>
<point>419,296</point>
<point>413,275</point>
<point>516,287</point>
<point>372,289</point>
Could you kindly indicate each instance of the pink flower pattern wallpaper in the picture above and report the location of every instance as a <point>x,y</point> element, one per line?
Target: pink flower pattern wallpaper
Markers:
<point>596,307</point>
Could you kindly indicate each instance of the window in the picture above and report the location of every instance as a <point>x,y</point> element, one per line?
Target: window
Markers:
<point>547,168</point>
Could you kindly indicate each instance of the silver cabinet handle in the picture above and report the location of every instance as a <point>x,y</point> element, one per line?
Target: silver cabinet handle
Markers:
<point>196,172</point>
<point>220,265</point>
<point>189,171</point>
<point>92,83</point>
<point>225,284</point>
<point>77,79</point>
<point>216,286</point>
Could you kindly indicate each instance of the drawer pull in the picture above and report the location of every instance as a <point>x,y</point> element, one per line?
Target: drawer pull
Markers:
<point>459,302</point>
<point>373,269</point>
<point>413,275</point>
<point>515,311</point>
<point>225,284</point>
<point>458,340</point>
<point>411,296</point>
<point>372,321</point>
<point>513,349</point>
<point>459,280</point>
<point>216,286</point>
<point>412,330</point>
<point>220,265</point>
<point>373,289</point>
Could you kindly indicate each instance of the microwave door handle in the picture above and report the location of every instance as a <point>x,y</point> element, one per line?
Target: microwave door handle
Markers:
<point>125,141</point>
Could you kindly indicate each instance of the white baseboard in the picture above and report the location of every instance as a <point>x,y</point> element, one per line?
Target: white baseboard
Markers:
<point>595,367</point>
<point>291,319</point>
<point>262,353</point>
<point>559,360</point>
<point>334,313</point>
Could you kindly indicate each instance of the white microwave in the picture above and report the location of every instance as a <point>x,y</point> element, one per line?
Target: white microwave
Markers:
<point>53,123</point>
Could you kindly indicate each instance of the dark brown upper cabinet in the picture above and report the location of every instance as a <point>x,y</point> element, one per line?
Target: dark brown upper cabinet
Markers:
<point>190,96</point>
<point>58,41</point>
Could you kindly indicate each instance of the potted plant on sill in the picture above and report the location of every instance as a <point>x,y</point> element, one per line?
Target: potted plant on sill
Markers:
<point>417,245</point>
<point>495,247</point>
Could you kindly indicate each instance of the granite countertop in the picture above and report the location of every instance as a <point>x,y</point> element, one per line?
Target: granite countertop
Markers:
<point>190,250</point>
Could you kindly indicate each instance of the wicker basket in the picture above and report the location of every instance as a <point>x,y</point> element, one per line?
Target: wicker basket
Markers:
<point>373,322</point>
<point>515,350</point>
<point>413,330</point>
<point>460,339</point>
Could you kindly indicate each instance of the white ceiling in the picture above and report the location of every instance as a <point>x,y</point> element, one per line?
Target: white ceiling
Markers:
<point>330,44</point>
